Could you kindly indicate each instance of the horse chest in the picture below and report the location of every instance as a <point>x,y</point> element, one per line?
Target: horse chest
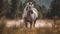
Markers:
<point>28,17</point>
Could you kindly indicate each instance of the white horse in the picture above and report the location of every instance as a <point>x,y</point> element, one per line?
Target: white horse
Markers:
<point>34,16</point>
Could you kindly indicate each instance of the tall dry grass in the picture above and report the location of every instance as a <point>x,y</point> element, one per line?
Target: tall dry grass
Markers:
<point>2,25</point>
<point>23,30</point>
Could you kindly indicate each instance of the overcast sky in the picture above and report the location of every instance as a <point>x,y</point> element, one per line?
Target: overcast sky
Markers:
<point>46,3</point>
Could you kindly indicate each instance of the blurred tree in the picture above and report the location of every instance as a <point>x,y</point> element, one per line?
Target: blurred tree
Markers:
<point>16,7</point>
<point>44,11</point>
<point>13,8</point>
<point>55,9</point>
<point>19,9</point>
<point>1,5</point>
<point>4,8</point>
<point>55,12</point>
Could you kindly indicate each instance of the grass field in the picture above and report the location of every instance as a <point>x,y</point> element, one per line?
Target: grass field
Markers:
<point>23,30</point>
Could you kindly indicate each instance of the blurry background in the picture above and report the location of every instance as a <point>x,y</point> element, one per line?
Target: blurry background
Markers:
<point>12,9</point>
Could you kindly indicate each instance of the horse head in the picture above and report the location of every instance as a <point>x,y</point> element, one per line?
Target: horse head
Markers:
<point>29,5</point>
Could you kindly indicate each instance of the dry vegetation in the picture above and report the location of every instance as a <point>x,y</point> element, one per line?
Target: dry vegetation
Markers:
<point>23,30</point>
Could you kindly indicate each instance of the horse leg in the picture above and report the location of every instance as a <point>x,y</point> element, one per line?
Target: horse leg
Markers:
<point>25,24</point>
<point>31,24</point>
<point>34,23</point>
